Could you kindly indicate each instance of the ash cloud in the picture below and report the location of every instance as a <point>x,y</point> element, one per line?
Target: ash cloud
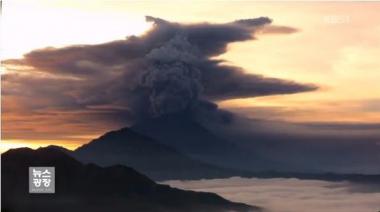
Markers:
<point>168,69</point>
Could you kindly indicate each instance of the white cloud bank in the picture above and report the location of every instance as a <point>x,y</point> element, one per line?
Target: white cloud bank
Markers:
<point>291,195</point>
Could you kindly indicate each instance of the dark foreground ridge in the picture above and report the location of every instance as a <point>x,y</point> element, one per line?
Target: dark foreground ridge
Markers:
<point>81,188</point>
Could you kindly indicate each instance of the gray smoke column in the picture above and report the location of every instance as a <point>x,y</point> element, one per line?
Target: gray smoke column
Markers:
<point>172,78</point>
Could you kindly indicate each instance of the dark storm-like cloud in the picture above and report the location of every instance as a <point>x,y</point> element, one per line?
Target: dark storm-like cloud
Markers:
<point>232,83</point>
<point>168,69</point>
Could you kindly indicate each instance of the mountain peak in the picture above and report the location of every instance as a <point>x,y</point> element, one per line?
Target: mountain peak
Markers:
<point>147,155</point>
<point>188,136</point>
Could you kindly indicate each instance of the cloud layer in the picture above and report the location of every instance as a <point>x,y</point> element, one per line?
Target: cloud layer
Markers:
<point>290,195</point>
<point>166,70</point>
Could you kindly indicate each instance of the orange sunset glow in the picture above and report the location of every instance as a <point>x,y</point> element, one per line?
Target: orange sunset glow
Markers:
<point>190,106</point>
<point>333,45</point>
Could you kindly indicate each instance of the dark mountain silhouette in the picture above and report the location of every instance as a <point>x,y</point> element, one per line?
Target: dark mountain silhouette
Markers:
<point>152,158</point>
<point>92,188</point>
<point>183,133</point>
<point>160,159</point>
<point>188,136</point>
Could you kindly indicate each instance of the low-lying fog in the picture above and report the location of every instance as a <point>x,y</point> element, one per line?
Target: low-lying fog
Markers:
<point>291,195</point>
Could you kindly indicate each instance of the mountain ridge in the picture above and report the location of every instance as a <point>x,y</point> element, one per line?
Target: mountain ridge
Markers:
<point>157,160</point>
<point>89,187</point>
<point>188,136</point>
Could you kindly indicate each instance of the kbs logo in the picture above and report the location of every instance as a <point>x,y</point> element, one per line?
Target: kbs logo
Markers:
<point>41,180</point>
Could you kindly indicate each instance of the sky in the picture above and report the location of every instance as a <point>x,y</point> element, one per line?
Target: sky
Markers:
<point>334,46</point>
